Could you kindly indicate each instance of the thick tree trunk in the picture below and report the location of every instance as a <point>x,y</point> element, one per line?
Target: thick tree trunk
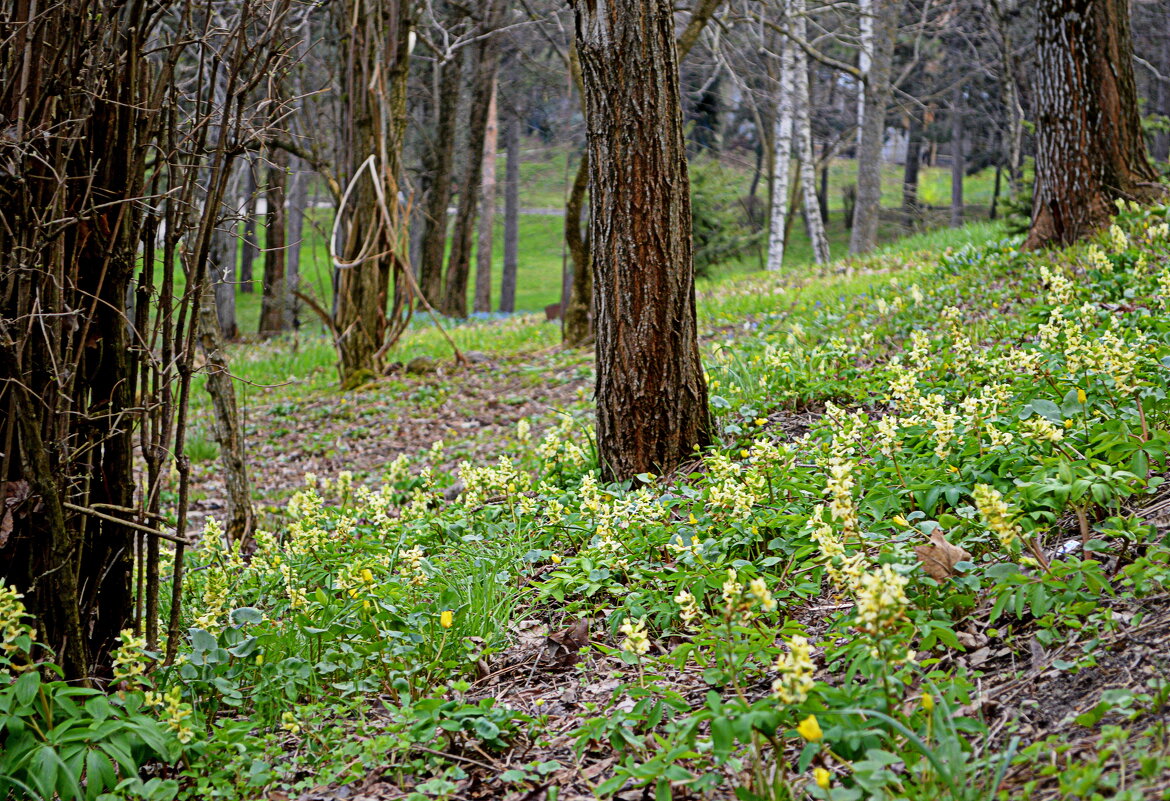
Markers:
<point>374,84</point>
<point>651,395</point>
<point>1090,150</point>
<point>958,162</point>
<point>440,163</point>
<point>782,156</point>
<point>487,208</point>
<point>867,212</point>
<point>808,178</point>
<point>577,309</point>
<point>459,262</point>
<point>274,303</point>
<point>511,213</point>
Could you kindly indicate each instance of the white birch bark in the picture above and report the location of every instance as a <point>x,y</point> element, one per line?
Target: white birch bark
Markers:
<point>781,169</point>
<point>864,58</point>
<point>808,177</point>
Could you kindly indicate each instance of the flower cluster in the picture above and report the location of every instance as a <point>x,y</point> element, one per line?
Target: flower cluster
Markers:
<point>411,568</point>
<point>688,607</point>
<point>996,514</point>
<point>130,659</point>
<point>636,640</point>
<point>12,615</point>
<point>796,672</point>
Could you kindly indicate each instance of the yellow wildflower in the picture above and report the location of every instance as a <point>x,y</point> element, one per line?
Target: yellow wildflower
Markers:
<point>810,729</point>
<point>446,618</point>
<point>822,777</point>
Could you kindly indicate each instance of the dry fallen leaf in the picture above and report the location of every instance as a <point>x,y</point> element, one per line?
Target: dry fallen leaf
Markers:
<point>567,642</point>
<point>940,557</point>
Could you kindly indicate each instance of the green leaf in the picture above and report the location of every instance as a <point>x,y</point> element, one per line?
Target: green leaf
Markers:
<point>27,686</point>
<point>722,738</point>
<point>99,774</point>
<point>247,614</point>
<point>203,640</point>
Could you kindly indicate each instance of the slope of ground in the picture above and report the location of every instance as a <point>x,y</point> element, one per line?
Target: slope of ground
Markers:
<point>928,559</point>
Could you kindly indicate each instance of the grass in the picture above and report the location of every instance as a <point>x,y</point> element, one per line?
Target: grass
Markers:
<point>541,236</point>
<point>524,553</point>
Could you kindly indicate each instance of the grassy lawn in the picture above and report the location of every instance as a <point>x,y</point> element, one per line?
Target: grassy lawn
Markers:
<point>541,241</point>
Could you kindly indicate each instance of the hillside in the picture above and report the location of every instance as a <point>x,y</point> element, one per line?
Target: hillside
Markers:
<point>929,558</point>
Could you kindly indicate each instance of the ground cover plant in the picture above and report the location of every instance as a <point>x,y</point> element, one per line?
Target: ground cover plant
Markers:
<point>927,559</point>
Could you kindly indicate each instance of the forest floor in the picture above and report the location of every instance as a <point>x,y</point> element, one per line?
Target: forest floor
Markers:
<point>930,557</point>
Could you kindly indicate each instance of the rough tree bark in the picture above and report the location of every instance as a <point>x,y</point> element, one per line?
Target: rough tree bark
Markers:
<point>487,208</point>
<point>867,211</point>
<point>651,394</point>
<point>511,213</point>
<point>1090,150</point>
<point>229,433</point>
<point>459,262</point>
<point>376,53</point>
<point>578,313</point>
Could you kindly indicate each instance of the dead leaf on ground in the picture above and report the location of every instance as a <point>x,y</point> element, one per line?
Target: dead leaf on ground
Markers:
<point>940,557</point>
<point>568,642</point>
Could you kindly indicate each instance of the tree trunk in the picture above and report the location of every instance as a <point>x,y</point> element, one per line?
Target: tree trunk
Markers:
<point>910,207</point>
<point>440,163</point>
<point>865,52</point>
<point>578,313</point>
<point>222,269</point>
<point>782,159</point>
<point>487,209</point>
<point>251,245</point>
<point>298,202</point>
<point>376,53</point>
<point>229,433</point>
<point>958,163</point>
<point>1011,98</point>
<point>1090,150</point>
<point>993,212</point>
<point>274,303</point>
<point>867,212</point>
<point>459,262</point>
<point>651,395</point>
<point>577,310</point>
<point>808,178</point>
<point>511,213</point>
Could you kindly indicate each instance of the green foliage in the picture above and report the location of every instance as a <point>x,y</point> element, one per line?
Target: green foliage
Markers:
<point>62,741</point>
<point>776,623</point>
<point>720,223</point>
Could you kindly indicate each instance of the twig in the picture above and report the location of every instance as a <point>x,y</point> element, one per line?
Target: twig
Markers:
<point>129,524</point>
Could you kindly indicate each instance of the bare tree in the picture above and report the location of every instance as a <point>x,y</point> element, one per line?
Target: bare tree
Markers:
<point>75,228</point>
<point>375,47</point>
